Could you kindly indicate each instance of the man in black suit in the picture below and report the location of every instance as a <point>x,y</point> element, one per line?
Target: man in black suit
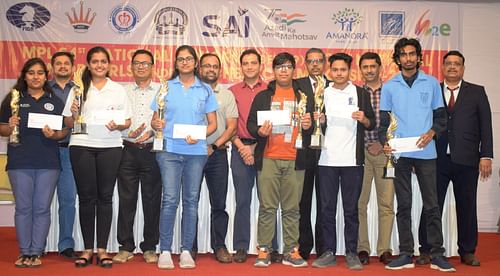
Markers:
<point>465,152</point>
<point>316,66</point>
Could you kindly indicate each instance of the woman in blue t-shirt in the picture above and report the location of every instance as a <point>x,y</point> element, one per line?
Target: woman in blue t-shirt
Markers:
<point>33,163</point>
<point>188,102</point>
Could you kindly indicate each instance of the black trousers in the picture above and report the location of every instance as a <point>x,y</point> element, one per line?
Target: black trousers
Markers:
<point>138,165</point>
<point>464,180</point>
<point>95,171</point>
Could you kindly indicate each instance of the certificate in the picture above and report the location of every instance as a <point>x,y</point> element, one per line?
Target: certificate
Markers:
<point>408,144</point>
<point>342,112</point>
<point>276,117</point>
<point>40,120</point>
<point>103,117</point>
<point>181,131</point>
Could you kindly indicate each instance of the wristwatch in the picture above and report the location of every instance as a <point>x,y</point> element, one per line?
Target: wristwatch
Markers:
<point>214,147</point>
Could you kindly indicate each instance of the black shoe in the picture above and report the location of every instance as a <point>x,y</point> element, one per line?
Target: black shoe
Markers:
<point>423,259</point>
<point>240,256</point>
<point>305,254</point>
<point>364,257</point>
<point>386,257</point>
<point>469,259</point>
<point>69,253</point>
<point>276,257</point>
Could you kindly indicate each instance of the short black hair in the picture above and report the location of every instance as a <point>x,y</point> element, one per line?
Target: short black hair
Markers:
<point>315,50</point>
<point>143,52</point>
<point>403,42</point>
<point>250,52</point>
<point>454,53</point>
<point>60,54</point>
<point>209,55</point>
<point>341,56</point>
<point>370,55</point>
<point>282,58</point>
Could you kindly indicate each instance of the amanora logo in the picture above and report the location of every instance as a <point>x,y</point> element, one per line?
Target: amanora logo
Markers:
<point>425,27</point>
<point>347,19</point>
<point>28,16</point>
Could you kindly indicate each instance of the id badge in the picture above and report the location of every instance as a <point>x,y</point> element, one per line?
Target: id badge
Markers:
<point>288,134</point>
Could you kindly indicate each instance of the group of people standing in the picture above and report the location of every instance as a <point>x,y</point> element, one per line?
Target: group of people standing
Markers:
<point>454,130</point>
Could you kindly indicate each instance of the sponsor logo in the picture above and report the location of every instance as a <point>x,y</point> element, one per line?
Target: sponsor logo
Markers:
<point>347,19</point>
<point>425,27</point>
<point>221,26</point>
<point>48,106</point>
<point>283,26</point>
<point>81,21</point>
<point>28,16</point>
<point>392,23</point>
<point>123,18</point>
<point>170,21</point>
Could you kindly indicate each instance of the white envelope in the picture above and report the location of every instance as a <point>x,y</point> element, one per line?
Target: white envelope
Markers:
<point>276,117</point>
<point>181,131</point>
<point>103,117</point>
<point>40,120</point>
<point>408,144</point>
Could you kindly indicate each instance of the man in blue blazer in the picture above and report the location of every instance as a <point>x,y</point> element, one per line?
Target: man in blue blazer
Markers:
<point>465,153</point>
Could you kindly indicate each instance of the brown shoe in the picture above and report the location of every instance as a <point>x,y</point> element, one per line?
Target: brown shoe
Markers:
<point>386,257</point>
<point>223,256</point>
<point>364,257</point>
<point>423,259</point>
<point>240,256</point>
<point>470,259</point>
<point>122,257</point>
<point>150,257</point>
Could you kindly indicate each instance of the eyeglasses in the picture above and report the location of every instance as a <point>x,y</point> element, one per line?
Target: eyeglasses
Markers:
<point>452,63</point>
<point>208,66</point>
<point>284,67</point>
<point>315,61</point>
<point>185,59</point>
<point>145,64</point>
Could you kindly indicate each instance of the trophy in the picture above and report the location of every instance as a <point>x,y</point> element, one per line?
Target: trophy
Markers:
<point>389,171</point>
<point>79,126</point>
<point>160,102</point>
<point>318,105</point>
<point>301,110</point>
<point>14,106</point>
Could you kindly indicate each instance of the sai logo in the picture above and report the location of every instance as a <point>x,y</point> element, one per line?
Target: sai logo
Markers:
<point>220,26</point>
<point>123,18</point>
<point>170,21</point>
<point>392,23</point>
<point>347,19</point>
<point>81,23</point>
<point>424,27</point>
<point>28,16</point>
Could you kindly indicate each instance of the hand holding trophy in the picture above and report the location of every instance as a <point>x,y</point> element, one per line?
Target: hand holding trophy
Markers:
<point>389,170</point>
<point>160,102</point>
<point>79,126</point>
<point>318,106</point>
<point>301,110</point>
<point>14,106</point>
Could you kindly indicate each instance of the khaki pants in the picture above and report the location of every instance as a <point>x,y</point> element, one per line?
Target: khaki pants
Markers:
<point>374,170</point>
<point>279,184</point>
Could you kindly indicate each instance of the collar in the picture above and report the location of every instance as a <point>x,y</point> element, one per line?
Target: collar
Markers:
<point>136,87</point>
<point>197,81</point>
<point>445,85</point>
<point>259,82</point>
<point>369,89</point>
<point>53,84</point>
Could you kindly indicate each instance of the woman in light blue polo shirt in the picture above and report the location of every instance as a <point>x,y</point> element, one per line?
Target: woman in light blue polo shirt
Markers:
<point>192,102</point>
<point>33,164</point>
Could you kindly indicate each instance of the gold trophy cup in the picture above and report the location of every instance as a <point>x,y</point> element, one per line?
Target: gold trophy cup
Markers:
<point>301,110</point>
<point>160,102</point>
<point>316,139</point>
<point>79,126</point>
<point>389,170</point>
<point>14,106</point>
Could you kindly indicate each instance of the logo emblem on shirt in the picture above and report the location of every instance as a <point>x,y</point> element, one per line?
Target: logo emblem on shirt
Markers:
<point>48,107</point>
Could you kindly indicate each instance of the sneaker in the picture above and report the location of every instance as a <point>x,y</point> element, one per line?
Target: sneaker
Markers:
<point>165,261</point>
<point>294,259</point>
<point>442,264</point>
<point>150,256</point>
<point>276,257</point>
<point>122,257</point>
<point>325,260</point>
<point>403,261</point>
<point>240,256</point>
<point>186,260</point>
<point>353,261</point>
<point>423,259</point>
<point>263,259</point>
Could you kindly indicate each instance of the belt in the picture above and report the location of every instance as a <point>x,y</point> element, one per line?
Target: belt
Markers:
<point>138,145</point>
<point>63,145</point>
<point>247,141</point>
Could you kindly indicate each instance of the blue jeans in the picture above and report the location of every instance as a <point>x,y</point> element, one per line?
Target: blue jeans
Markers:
<point>179,172</point>
<point>33,190</point>
<point>66,197</point>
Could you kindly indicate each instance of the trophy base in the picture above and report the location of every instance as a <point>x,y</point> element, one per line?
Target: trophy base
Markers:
<point>389,173</point>
<point>79,128</point>
<point>315,142</point>
<point>157,145</point>
<point>298,143</point>
<point>14,144</point>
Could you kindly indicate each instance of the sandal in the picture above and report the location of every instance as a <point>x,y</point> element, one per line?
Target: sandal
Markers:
<point>105,262</point>
<point>82,261</point>
<point>22,261</point>
<point>35,261</point>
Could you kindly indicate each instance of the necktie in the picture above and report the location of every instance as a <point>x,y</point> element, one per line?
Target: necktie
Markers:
<point>315,85</point>
<point>451,102</point>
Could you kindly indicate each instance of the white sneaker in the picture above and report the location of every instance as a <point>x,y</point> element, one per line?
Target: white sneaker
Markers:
<point>165,261</point>
<point>186,261</point>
